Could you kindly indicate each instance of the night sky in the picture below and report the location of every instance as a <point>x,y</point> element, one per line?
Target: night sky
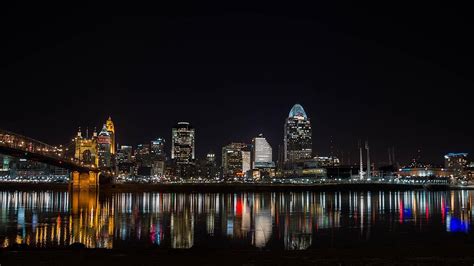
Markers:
<point>399,75</point>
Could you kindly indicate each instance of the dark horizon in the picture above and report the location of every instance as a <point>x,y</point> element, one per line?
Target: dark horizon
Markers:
<point>397,76</point>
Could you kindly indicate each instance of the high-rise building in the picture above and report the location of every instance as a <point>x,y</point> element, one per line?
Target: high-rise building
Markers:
<point>246,161</point>
<point>143,155</point>
<point>211,158</point>
<point>182,144</point>
<point>207,168</point>
<point>124,154</point>
<point>297,140</point>
<point>157,148</point>
<point>142,149</point>
<point>111,129</point>
<point>103,147</point>
<point>233,159</point>
<point>124,158</point>
<point>157,157</point>
<point>262,156</point>
<point>456,163</point>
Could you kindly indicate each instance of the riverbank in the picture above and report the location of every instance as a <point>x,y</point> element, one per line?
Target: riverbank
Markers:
<point>239,187</point>
<point>408,255</point>
<point>229,187</point>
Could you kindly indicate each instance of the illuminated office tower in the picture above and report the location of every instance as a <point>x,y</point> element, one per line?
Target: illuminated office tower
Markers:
<point>182,143</point>
<point>246,161</point>
<point>157,148</point>
<point>297,140</point>
<point>261,153</point>
<point>103,147</point>
<point>233,159</point>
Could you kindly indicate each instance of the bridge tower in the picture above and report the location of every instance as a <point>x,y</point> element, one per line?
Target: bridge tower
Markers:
<point>86,148</point>
<point>86,152</point>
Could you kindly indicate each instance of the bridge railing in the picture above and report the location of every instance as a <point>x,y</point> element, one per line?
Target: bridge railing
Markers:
<point>19,142</point>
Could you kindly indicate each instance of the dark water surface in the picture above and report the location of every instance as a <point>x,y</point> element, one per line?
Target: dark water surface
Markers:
<point>268,220</point>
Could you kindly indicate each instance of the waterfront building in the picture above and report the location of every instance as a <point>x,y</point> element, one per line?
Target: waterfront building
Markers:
<point>235,159</point>
<point>261,153</point>
<point>297,142</point>
<point>262,158</point>
<point>125,161</point>
<point>4,163</point>
<point>470,173</point>
<point>424,172</point>
<point>457,163</point>
<point>246,161</point>
<point>207,168</point>
<point>182,143</point>
<point>103,147</point>
<point>326,161</point>
<point>308,169</point>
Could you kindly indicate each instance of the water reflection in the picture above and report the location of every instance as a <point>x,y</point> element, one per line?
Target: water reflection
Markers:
<point>263,220</point>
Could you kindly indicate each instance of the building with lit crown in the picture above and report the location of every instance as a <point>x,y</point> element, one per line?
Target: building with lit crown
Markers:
<point>103,147</point>
<point>297,135</point>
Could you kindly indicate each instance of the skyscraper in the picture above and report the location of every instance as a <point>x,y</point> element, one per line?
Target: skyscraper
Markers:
<point>157,148</point>
<point>297,139</point>
<point>182,144</point>
<point>103,147</point>
<point>261,153</point>
<point>233,162</point>
<point>124,154</point>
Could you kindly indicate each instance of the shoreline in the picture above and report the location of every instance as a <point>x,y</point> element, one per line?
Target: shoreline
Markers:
<point>228,187</point>
<point>407,255</point>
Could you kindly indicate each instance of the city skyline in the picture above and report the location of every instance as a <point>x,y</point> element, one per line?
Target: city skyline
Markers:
<point>297,112</point>
<point>359,75</point>
<point>381,156</point>
<point>234,133</point>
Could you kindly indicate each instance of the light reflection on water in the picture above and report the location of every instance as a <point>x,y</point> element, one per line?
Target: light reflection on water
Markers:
<point>284,220</point>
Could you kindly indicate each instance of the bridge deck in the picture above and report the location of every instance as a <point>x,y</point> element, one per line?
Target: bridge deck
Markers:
<point>20,146</point>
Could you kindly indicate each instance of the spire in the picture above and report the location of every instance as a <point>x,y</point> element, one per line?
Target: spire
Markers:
<point>79,133</point>
<point>110,125</point>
